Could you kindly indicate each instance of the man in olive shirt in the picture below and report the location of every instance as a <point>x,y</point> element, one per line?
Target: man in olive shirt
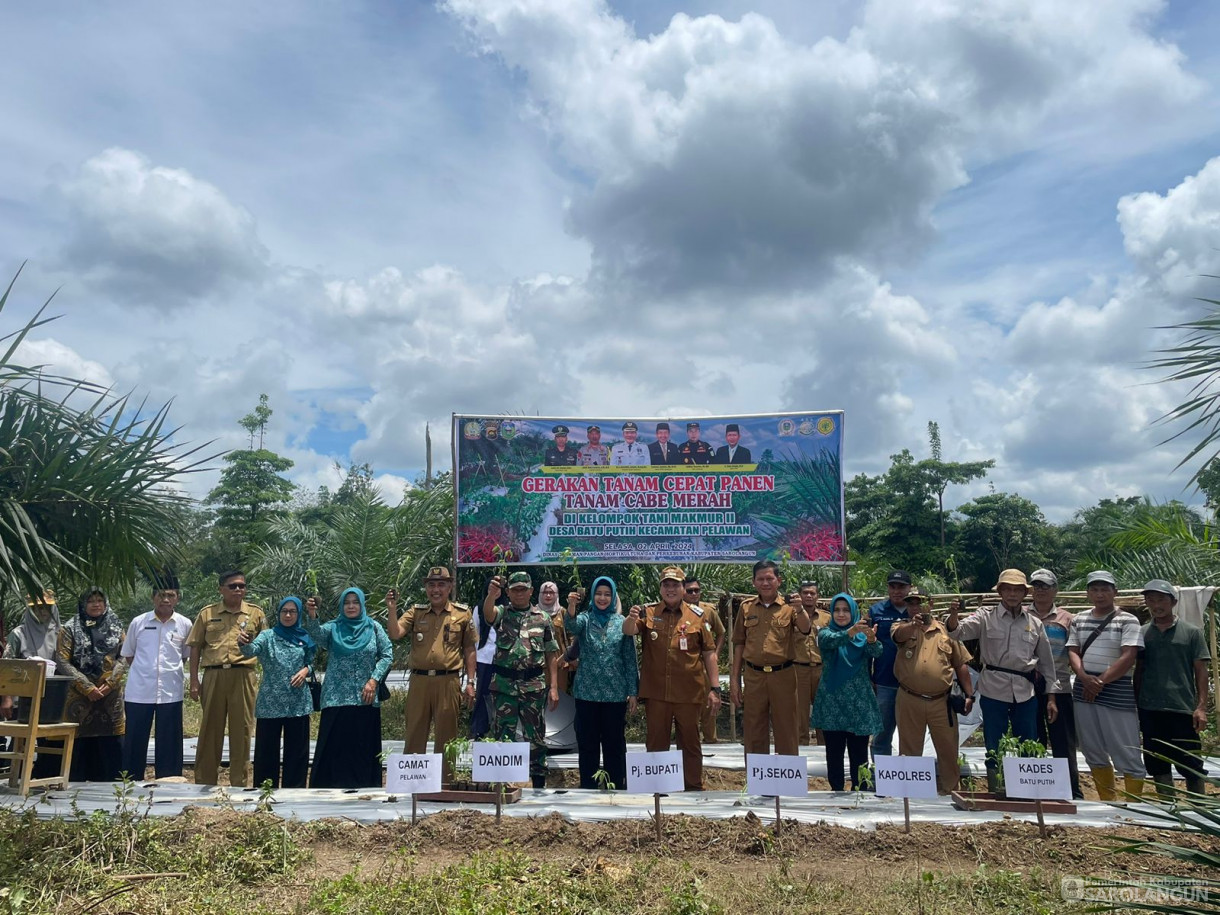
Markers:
<point>764,641</point>
<point>808,661</point>
<point>230,682</point>
<point>678,661</point>
<point>1171,686</point>
<point>714,624</point>
<point>925,666</point>
<point>443,642</point>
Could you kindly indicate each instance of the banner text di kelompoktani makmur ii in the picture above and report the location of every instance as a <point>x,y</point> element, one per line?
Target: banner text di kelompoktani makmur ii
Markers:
<point>717,489</point>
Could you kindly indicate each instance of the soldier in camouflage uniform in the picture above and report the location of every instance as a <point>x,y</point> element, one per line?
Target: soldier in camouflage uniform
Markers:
<point>523,679</point>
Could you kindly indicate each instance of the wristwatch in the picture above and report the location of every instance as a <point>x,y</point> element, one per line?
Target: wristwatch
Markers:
<point>715,689</point>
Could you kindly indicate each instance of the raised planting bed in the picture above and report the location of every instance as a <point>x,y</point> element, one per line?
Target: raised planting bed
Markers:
<point>985,800</point>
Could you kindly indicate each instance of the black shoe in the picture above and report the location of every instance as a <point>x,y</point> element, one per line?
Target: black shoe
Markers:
<point>538,781</point>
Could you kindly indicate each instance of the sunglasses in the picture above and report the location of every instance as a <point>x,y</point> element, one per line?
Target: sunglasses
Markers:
<point>240,586</point>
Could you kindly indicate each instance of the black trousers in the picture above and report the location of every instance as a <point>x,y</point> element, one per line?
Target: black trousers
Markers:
<point>96,759</point>
<point>1171,735</point>
<point>1060,734</point>
<point>857,754</point>
<point>480,715</point>
<point>601,741</point>
<point>140,719</point>
<point>267,733</point>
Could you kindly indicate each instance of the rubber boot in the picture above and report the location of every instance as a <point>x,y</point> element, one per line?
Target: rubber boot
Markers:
<point>538,781</point>
<point>1164,787</point>
<point>1134,787</point>
<point>1103,778</point>
<point>1196,784</point>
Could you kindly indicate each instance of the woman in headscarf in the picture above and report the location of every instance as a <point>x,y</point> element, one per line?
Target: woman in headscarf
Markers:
<point>89,646</point>
<point>36,636</point>
<point>348,754</point>
<point>548,603</point>
<point>284,701</point>
<point>607,686</point>
<point>845,707</point>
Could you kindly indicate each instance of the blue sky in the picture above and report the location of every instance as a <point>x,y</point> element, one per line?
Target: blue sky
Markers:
<point>382,213</point>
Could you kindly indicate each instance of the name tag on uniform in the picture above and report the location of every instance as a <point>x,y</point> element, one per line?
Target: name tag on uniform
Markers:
<point>682,643</point>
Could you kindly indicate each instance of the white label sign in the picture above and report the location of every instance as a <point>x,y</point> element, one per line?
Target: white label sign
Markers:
<point>500,762</point>
<point>655,773</point>
<point>1047,779</point>
<point>416,773</point>
<point>905,776</point>
<point>777,776</point>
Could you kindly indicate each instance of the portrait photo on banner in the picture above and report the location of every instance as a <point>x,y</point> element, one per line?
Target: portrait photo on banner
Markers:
<point>674,489</point>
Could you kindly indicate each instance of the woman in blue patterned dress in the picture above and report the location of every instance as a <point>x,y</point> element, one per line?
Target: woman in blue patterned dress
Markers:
<point>845,707</point>
<point>348,754</point>
<point>284,702</point>
<point>606,689</point>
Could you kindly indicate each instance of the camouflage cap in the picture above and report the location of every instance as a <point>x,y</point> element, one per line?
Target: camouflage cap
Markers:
<point>520,580</point>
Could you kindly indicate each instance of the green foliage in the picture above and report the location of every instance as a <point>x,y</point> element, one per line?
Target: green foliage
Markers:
<point>1196,360</point>
<point>1000,531</point>
<point>87,479</point>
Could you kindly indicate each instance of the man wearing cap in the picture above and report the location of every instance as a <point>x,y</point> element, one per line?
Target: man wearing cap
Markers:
<point>732,453</point>
<point>443,640</point>
<point>712,622</point>
<point>1171,683</point>
<point>593,453</point>
<point>1102,646</point>
<point>678,661</point>
<point>764,642</point>
<point>884,614</point>
<point>662,451</point>
<point>928,659</point>
<point>524,668</point>
<point>153,652</point>
<point>1060,734</point>
<point>629,452</point>
<point>1014,649</point>
<point>230,681</point>
<point>559,454</point>
<point>808,662</point>
<point>694,451</point>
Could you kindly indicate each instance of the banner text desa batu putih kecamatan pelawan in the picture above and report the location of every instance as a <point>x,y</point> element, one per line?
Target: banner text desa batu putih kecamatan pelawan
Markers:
<point>708,488</point>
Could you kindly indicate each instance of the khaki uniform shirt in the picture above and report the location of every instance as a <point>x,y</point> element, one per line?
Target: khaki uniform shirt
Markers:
<point>1016,641</point>
<point>768,633</point>
<point>927,660</point>
<point>439,641</point>
<point>807,651</point>
<point>670,672</point>
<point>214,635</point>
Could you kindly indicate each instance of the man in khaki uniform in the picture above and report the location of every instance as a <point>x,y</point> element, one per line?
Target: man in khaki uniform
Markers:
<point>927,661</point>
<point>808,662</point>
<point>230,682</point>
<point>764,640</point>
<point>443,642</point>
<point>713,623</point>
<point>678,662</point>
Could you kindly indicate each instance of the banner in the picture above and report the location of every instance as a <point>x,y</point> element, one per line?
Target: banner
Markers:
<point>707,489</point>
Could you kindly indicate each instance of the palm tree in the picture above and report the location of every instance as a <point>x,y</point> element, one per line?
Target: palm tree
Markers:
<point>1196,360</point>
<point>86,493</point>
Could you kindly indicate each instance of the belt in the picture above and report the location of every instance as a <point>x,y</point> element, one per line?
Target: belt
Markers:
<point>802,663</point>
<point>770,668</point>
<point>1025,674</point>
<point>922,696</point>
<point>225,666</point>
<point>434,673</point>
<point>509,673</point>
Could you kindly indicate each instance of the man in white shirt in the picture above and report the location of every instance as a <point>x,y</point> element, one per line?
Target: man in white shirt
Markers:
<point>154,652</point>
<point>480,716</point>
<point>630,452</point>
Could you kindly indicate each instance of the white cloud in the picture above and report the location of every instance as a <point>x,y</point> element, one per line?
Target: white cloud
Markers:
<point>156,235</point>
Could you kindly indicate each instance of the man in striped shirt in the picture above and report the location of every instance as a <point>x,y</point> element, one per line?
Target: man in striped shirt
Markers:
<point>1102,646</point>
